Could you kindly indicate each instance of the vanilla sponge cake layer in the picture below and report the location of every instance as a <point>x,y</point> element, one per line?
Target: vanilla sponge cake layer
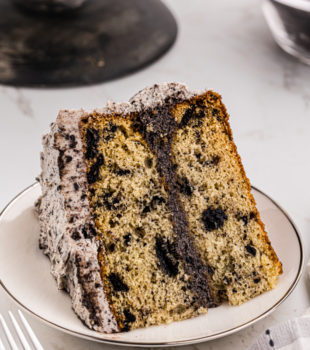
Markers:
<point>168,219</point>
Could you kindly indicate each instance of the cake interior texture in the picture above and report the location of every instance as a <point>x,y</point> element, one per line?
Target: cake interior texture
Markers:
<point>177,227</point>
<point>146,280</point>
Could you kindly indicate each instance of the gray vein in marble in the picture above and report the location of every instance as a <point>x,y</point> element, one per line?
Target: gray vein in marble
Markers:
<point>24,104</point>
<point>293,81</point>
<point>18,97</point>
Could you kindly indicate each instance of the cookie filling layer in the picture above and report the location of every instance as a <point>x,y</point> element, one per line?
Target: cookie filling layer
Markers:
<point>158,127</point>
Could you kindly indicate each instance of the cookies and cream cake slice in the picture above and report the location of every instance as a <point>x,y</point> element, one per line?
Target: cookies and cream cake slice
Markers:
<point>146,213</point>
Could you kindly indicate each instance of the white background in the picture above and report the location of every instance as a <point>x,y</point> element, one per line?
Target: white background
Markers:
<point>223,45</point>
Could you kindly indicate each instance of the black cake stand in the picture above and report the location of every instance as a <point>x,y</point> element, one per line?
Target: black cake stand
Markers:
<point>66,45</point>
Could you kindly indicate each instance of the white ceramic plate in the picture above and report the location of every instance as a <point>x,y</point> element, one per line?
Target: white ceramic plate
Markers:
<point>24,274</point>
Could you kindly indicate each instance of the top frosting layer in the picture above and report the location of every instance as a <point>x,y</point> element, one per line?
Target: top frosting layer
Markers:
<point>157,94</point>
<point>147,98</point>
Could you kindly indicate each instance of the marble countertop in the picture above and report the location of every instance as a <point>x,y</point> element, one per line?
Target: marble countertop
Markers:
<point>223,45</point>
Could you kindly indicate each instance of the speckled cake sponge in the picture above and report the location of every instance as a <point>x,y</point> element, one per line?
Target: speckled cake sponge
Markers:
<point>146,213</point>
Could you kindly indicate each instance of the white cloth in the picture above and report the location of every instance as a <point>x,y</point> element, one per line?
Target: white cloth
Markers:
<point>290,335</point>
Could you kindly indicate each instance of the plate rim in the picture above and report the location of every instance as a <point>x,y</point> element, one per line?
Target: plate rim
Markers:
<point>169,343</point>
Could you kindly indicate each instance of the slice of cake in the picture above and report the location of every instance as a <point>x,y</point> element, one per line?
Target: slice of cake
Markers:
<point>146,213</point>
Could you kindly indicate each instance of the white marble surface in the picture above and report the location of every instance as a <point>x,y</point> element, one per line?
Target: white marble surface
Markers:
<point>224,45</point>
